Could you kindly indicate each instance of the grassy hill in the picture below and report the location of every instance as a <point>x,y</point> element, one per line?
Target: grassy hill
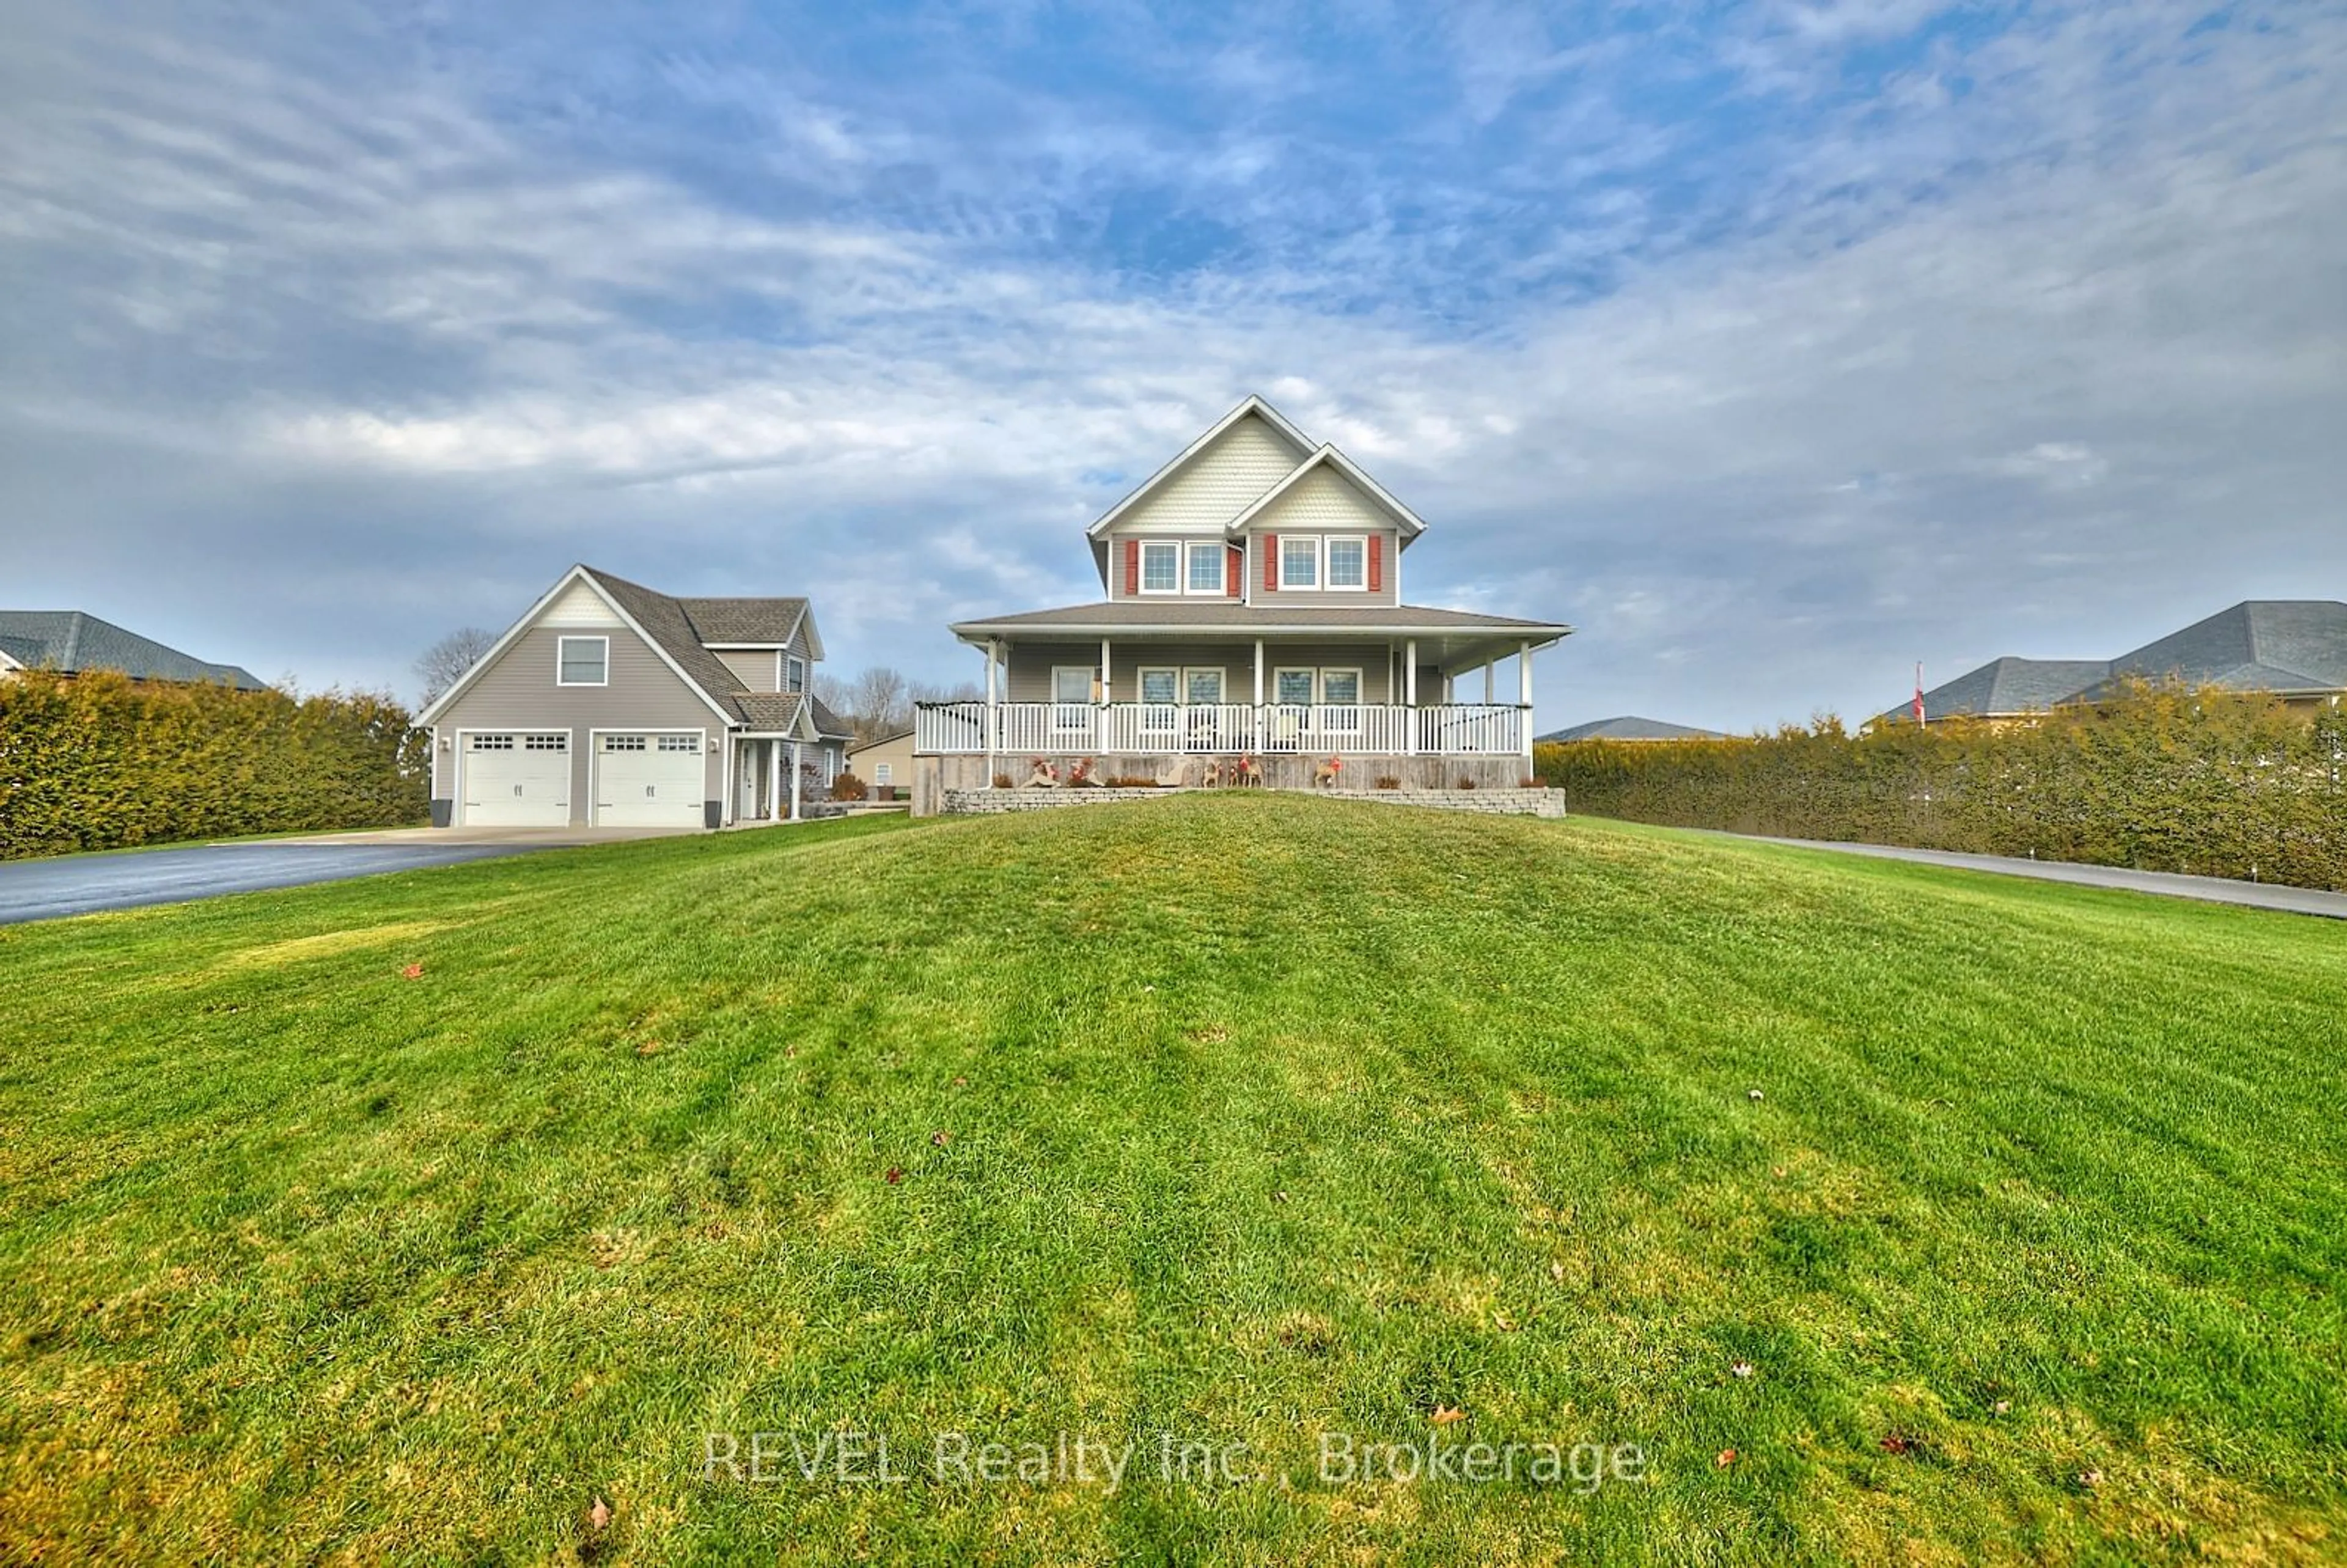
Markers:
<point>1244,1120</point>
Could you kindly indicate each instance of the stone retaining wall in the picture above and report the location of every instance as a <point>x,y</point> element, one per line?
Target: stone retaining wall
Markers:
<point>1511,801</point>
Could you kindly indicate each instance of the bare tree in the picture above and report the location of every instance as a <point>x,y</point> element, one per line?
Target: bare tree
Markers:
<point>833,692</point>
<point>878,700</point>
<point>959,692</point>
<point>445,662</point>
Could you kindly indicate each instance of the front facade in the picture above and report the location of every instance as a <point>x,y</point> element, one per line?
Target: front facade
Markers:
<point>1253,616</point>
<point>609,705</point>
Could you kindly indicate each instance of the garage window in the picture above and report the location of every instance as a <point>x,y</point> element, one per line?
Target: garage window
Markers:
<point>583,662</point>
<point>624,742</point>
<point>558,741</point>
<point>680,743</point>
<point>489,743</point>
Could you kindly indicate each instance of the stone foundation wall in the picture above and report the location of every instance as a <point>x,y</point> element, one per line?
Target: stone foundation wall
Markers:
<point>1507,801</point>
<point>936,777</point>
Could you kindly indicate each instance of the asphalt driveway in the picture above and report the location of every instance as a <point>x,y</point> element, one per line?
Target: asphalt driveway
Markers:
<point>84,884</point>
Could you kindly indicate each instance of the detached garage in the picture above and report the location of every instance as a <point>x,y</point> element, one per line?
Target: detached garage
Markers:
<point>611,705</point>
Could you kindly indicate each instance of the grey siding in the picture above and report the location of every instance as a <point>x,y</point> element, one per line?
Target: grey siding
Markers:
<point>518,692</point>
<point>1030,665</point>
<point>754,668</point>
<point>1116,575</point>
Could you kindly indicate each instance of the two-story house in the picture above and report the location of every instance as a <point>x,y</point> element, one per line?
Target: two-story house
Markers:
<point>1255,610</point>
<point>609,704</point>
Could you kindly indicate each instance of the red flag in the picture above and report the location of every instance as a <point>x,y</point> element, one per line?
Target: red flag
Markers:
<point>1919,694</point>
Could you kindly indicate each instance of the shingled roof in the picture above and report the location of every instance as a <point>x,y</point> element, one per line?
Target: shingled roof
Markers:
<point>1629,727</point>
<point>2289,645</point>
<point>2003,688</point>
<point>74,643</point>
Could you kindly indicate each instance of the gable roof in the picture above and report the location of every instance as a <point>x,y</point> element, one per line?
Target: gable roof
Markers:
<point>2003,687</point>
<point>1629,727</point>
<point>750,622</point>
<point>900,733</point>
<point>1328,456</point>
<point>72,641</point>
<point>1252,406</point>
<point>2296,645</point>
<point>666,626</point>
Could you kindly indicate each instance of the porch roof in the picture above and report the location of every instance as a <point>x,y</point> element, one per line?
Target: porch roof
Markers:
<point>1449,636</point>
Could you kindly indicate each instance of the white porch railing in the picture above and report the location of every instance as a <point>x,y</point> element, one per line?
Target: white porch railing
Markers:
<point>1058,729</point>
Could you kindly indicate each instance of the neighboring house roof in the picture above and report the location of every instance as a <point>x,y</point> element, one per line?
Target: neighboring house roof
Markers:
<point>2003,687</point>
<point>1629,727</point>
<point>72,641</point>
<point>891,738</point>
<point>2289,645</point>
<point>778,713</point>
<point>2294,646</point>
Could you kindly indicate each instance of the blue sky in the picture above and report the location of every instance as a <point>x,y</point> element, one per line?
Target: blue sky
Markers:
<point>1776,346</point>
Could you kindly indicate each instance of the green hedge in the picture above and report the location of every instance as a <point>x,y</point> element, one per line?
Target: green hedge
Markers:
<point>98,761</point>
<point>2214,783</point>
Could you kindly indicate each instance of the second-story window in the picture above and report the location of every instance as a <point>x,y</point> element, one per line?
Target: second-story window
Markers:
<point>1207,569</point>
<point>1299,562</point>
<point>1161,567</point>
<point>582,661</point>
<point>1349,561</point>
<point>795,675</point>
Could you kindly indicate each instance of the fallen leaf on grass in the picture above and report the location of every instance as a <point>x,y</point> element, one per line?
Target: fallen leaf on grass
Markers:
<point>896,1174</point>
<point>1897,1442</point>
<point>599,1516</point>
<point>941,1138</point>
<point>1726,1457</point>
<point>413,972</point>
<point>2090,1478</point>
<point>1444,1415</point>
<point>1742,1368</point>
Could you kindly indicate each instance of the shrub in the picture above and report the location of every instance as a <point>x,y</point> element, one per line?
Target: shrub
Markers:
<point>101,761</point>
<point>1387,780</point>
<point>1003,781</point>
<point>1466,781</point>
<point>2219,783</point>
<point>847,786</point>
<point>1132,781</point>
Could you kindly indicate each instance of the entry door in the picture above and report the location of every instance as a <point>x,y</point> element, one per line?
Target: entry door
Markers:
<point>648,781</point>
<point>517,779</point>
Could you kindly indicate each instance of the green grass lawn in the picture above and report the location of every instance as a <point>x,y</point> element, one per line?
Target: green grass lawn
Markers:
<point>1245,1120</point>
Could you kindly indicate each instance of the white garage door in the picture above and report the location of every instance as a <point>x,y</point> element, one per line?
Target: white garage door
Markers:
<point>517,779</point>
<point>648,781</point>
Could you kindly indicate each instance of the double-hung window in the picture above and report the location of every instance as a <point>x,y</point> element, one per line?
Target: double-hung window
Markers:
<point>1349,561</point>
<point>795,675</point>
<point>1161,567</point>
<point>1340,698</point>
<point>582,661</point>
<point>1292,687</point>
<point>1071,699</point>
<point>1299,562</point>
<point>1160,691</point>
<point>1206,569</point>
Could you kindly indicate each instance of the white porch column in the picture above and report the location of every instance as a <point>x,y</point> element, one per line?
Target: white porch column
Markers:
<point>1255,736</point>
<point>1107,689</point>
<point>774,781</point>
<point>1524,683</point>
<point>1489,665</point>
<point>993,710</point>
<point>795,781</point>
<point>1409,694</point>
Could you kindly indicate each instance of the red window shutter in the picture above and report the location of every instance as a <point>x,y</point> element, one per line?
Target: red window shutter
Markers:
<point>1271,561</point>
<point>1131,567</point>
<point>1377,562</point>
<point>1235,560</point>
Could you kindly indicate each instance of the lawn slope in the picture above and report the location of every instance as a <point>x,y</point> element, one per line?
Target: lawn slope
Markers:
<point>1245,1120</point>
